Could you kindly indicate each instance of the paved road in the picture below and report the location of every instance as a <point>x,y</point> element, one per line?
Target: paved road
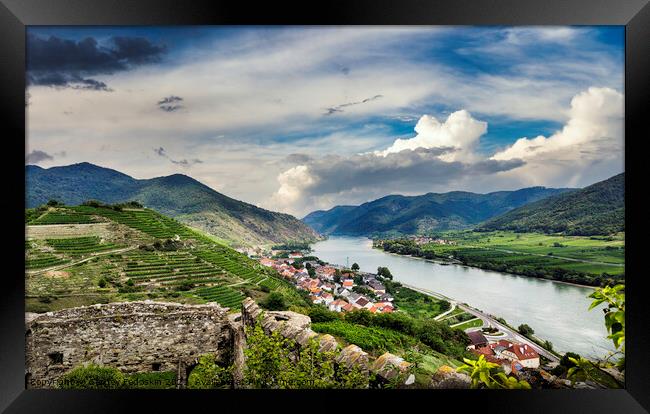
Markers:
<point>488,320</point>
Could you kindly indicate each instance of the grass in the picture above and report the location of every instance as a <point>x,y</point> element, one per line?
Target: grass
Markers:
<point>368,338</point>
<point>472,323</point>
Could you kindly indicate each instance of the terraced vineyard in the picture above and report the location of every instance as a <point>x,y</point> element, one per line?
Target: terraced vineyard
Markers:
<point>170,269</point>
<point>81,245</point>
<point>63,217</point>
<point>223,258</point>
<point>223,295</point>
<point>145,220</point>
<point>191,269</point>
<point>43,260</point>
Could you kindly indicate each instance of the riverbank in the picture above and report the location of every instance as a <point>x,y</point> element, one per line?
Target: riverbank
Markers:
<point>444,262</point>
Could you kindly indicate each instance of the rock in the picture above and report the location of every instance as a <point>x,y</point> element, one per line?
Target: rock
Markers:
<point>448,378</point>
<point>388,366</point>
<point>352,356</point>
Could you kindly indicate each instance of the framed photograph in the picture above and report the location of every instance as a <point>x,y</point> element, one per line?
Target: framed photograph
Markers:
<point>224,200</point>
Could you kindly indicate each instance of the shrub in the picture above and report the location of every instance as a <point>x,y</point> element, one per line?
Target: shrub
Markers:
<point>92,377</point>
<point>208,374</point>
<point>274,301</point>
<point>102,283</point>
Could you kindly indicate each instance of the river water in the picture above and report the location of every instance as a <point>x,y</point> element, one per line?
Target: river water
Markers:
<point>556,311</point>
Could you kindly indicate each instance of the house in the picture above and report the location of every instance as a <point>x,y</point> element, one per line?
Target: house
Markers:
<point>347,308</point>
<point>478,340</point>
<point>295,255</point>
<point>326,272</point>
<point>524,353</point>
<point>348,283</point>
<point>267,262</point>
<point>327,298</point>
<point>315,299</point>
<point>337,305</point>
<point>363,302</point>
<point>376,287</point>
<point>386,298</point>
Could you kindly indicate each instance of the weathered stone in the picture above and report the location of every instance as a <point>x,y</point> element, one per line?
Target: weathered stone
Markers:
<point>131,336</point>
<point>327,343</point>
<point>352,356</point>
<point>447,378</point>
<point>388,366</point>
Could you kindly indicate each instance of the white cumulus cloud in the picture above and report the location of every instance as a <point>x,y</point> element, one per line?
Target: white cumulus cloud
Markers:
<point>460,131</point>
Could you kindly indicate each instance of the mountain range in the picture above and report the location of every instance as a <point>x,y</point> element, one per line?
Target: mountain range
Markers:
<point>427,213</point>
<point>598,209</point>
<point>177,195</point>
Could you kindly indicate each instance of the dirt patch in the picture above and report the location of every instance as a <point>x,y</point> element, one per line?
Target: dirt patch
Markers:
<point>57,274</point>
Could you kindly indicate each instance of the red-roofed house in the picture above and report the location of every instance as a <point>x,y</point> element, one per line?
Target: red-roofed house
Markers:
<point>267,262</point>
<point>295,255</point>
<point>337,305</point>
<point>523,353</point>
<point>348,283</point>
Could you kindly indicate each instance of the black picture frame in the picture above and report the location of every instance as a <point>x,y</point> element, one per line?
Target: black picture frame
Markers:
<point>15,15</point>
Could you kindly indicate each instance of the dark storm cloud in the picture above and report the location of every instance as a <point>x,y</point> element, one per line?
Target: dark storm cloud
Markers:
<point>67,63</point>
<point>170,103</point>
<point>160,151</point>
<point>37,156</point>
<point>297,158</point>
<point>337,108</point>
<point>402,171</point>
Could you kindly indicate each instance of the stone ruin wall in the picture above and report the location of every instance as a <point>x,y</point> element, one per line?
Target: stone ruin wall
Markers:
<point>132,337</point>
<point>155,336</point>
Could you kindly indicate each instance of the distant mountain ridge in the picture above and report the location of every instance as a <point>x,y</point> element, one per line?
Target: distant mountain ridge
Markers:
<point>431,212</point>
<point>598,209</point>
<point>175,195</point>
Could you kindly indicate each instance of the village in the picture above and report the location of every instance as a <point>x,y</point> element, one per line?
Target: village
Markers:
<point>344,290</point>
<point>337,288</point>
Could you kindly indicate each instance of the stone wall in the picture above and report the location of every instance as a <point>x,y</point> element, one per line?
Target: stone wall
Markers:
<point>132,336</point>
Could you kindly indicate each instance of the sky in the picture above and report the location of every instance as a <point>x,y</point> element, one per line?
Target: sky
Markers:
<point>297,119</point>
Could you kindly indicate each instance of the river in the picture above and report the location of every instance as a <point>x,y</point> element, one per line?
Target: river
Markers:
<point>556,311</point>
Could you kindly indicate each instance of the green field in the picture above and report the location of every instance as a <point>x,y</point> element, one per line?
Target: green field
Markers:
<point>577,259</point>
<point>63,217</point>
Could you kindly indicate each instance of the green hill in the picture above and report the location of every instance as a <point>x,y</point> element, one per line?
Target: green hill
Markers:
<point>598,209</point>
<point>179,196</point>
<point>432,212</point>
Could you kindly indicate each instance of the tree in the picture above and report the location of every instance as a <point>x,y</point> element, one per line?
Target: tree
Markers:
<point>384,272</point>
<point>355,266</point>
<point>525,329</point>
<point>54,203</point>
<point>102,283</point>
<point>312,272</point>
<point>274,301</point>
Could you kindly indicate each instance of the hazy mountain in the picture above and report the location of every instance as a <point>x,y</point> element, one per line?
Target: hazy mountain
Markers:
<point>176,195</point>
<point>594,210</point>
<point>424,213</point>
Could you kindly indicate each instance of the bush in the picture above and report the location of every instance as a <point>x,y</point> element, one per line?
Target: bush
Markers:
<point>321,314</point>
<point>274,301</point>
<point>92,377</point>
<point>102,283</point>
<point>525,329</point>
<point>208,374</point>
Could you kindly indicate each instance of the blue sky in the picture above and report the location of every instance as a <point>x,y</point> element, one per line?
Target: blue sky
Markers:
<point>303,118</point>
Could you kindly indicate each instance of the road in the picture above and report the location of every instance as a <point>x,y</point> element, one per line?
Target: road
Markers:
<point>488,320</point>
